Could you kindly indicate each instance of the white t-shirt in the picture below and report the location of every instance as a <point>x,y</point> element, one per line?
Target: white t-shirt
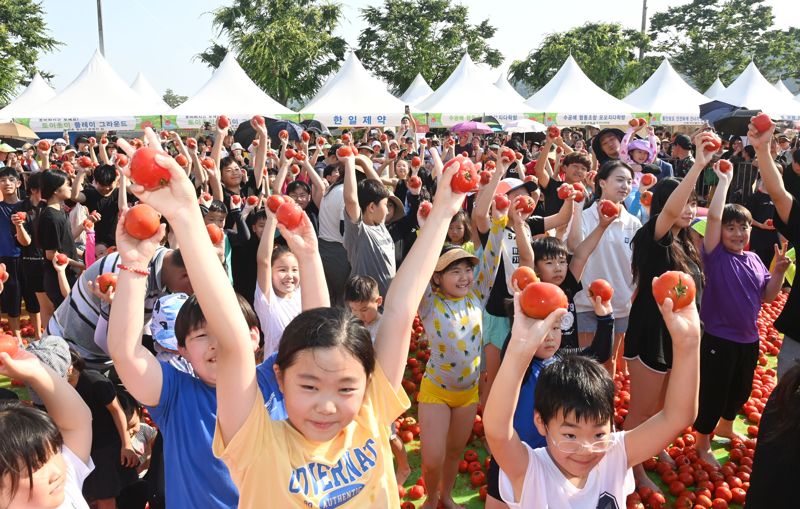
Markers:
<point>274,315</point>
<point>607,487</point>
<point>611,260</point>
<point>77,472</point>
<point>331,213</point>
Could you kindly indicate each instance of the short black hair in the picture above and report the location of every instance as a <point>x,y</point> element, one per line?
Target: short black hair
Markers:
<point>575,386</point>
<point>371,191</point>
<point>191,317</point>
<point>360,289</point>
<point>105,174</point>
<point>549,248</point>
<point>329,169</point>
<point>293,185</point>
<point>8,171</point>
<point>35,181</point>
<point>218,206</point>
<point>735,213</point>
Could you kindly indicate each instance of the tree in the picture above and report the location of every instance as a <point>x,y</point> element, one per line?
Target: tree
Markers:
<point>23,37</point>
<point>406,37</point>
<point>174,100</point>
<point>710,38</point>
<point>285,46</point>
<point>605,51</point>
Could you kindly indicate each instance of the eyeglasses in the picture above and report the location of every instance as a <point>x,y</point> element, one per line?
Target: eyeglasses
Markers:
<point>571,446</point>
<point>299,196</point>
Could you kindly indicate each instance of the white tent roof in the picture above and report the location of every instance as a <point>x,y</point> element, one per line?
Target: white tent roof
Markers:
<point>667,98</point>
<point>146,91</point>
<point>753,91</point>
<point>715,89</point>
<point>231,92</point>
<point>780,87</point>
<point>466,94</point>
<point>506,87</point>
<point>353,97</point>
<point>575,99</point>
<point>97,92</point>
<point>416,91</point>
<point>36,93</point>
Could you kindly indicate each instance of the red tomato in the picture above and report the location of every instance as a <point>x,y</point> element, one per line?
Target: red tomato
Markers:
<point>564,191</point>
<point>258,119</point>
<point>466,178</point>
<point>384,137</point>
<point>295,169</point>
<point>191,143</point>
<point>553,131</point>
<point>414,182</point>
<point>67,168</point>
<point>714,143</point>
<point>523,276</point>
<point>92,140</point>
<point>490,165</point>
<point>215,233</point>
<point>207,163</point>
<point>43,145</point>
<point>423,141</point>
<point>146,172</point>
<point>9,344</point>
<point>656,500</point>
<point>142,221</point>
<point>106,281</point>
<point>518,156</point>
<point>416,162</point>
<point>346,138</point>
<point>290,153</point>
<point>236,199</point>
<point>676,285</point>
<point>477,478</point>
<point>524,204</point>
<point>601,288</point>
<point>181,160</point>
<point>305,136</point>
<point>273,202</point>
<point>725,166</point>
<point>22,216</point>
<point>284,134</point>
<point>501,201</point>
<point>642,122</point>
<point>343,151</point>
<point>85,162</point>
<point>103,141</point>
<point>223,122</point>
<point>61,259</point>
<point>392,154</point>
<point>289,214</point>
<point>634,122</point>
<point>485,177</point>
<point>470,455</point>
<point>540,299</point>
<point>648,179</point>
<point>608,208</point>
<point>88,224</point>
<point>425,208</point>
<point>416,492</point>
<point>252,200</point>
<point>646,198</point>
<point>507,154</point>
<point>320,141</point>
<point>769,222</point>
<point>761,122</point>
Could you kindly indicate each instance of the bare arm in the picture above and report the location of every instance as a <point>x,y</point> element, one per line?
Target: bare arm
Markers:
<point>264,255</point>
<point>713,234</point>
<point>775,284</point>
<point>773,182</point>
<point>581,254</point>
<point>77,186</point>
<point>351,206</point>
<point>259,164</point>
<point>318,184</point>
<point>480,213</point>
<point>541,163</point>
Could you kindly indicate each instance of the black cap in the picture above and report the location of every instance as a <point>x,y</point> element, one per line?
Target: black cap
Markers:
<point>683,141</point>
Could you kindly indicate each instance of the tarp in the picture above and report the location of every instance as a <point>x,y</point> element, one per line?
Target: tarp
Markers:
<point>665,98</point>
<point>417,91</point>
<point>752,90</point>
<point>36,93</point>
<point>231,92</point>
<point>466,94</point>
<point>780,87</point>
<point>715,89</point>
<point>146,91</point>
<point>506,87</point>
<point>96,100</point>
<point>571,98</point>
<point>353,97</point>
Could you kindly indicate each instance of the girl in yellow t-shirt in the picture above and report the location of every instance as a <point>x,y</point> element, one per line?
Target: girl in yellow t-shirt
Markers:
<point>340,394</point>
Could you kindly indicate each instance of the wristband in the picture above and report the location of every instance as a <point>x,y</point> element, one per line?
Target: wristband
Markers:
<point>141,272</point>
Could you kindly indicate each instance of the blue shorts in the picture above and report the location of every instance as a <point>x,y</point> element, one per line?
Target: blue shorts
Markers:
<point>495,329</point>
<point>587,322</point>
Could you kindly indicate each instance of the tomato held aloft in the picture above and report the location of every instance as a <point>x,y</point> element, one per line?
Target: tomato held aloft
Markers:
<point>43,145</point>
<point>523,276</point>
<point>215,233</point>
<point>223,122</point>
<point>676,285</point>
<point>207,163</point>
<point>181,160</point>
<point>289,214</point>
<point>305,136</point>
<point>283,134</point>
<point>725,166</point>
<point>564,191</point>
<point>538,300</point>
<point>62,259</point>
<point>142,221</point>
<point>646,198</point>
<point>524,204</point>
<point>601,288</point>
<point>608,208</point>
<point>106,281</point>
<point>414,182</point>
<point>553,131</point>
<point>252,200</point>
<point>501,201</point>
<point>146,172</point>
<point>416,162</point>
<point>762,122</point>
<point>507,154</point>
<point>9,344</point>
<point>466,178</point>
<point>486,177</point>
<point>648,179</point>
<point>85,162</point>
<point>425,209</point>
<point>274,201</point>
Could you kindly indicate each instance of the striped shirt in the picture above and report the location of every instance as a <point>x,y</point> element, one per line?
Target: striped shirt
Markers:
<point>81,314</point>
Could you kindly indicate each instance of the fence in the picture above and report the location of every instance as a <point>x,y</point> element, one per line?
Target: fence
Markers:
<point>745,175</point>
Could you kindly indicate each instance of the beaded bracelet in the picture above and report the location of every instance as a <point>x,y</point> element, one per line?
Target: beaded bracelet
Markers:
<point>141,272</point>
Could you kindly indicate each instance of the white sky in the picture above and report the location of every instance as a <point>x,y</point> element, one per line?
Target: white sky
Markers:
<point>161,37</point>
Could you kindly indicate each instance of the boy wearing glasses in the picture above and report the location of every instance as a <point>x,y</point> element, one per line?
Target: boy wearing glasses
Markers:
<point>584,464</point>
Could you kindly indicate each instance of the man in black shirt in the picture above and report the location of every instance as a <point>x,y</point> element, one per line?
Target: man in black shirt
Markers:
<point>101,197</point>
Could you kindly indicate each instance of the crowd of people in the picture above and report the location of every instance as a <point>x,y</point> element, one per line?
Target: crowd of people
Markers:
<point>264,368</point>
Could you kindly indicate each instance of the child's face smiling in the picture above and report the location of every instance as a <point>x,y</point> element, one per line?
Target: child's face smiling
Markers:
<point>455,281</point>
<point>580,438</point>
<point>323,391</point>
<point>45,488</point>
<point>285,275</point>
<point>735,236</point>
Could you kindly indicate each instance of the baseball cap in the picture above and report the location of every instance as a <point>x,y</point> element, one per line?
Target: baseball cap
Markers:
<point>59,141</point>
<point>509,185</point>
<point>162,324</point>
<point>52,351</point>
<point>237,146</point>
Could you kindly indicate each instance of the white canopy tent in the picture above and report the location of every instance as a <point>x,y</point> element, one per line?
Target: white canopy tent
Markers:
<point>665,98</point>
<point>506,87</point>
<point>417,91</point>
<point>97,99</point>
<point>146,91</point>
<point>353,97</point>
<point>467,94</point>
<point>751,90</point>
<point>780,87</point>
<point>715,89</point>
<point>36,93</point>
<point>571,98</point>
<point>231,92</point>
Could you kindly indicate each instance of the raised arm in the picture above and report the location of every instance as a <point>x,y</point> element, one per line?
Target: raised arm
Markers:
<point>563,215</point>
<point>77,186</point>
<point>260,160</point>
<point>216,148</point>
<point>102,150</point>
<point>480,213</point>
<point>541,163</point>
<point>351,207</point>
<point>773,182</point>
<point>303,243</point>
<point>713,234</point>
<point>264,255</point>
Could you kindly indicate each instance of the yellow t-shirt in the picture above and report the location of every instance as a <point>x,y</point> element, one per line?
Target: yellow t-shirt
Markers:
<point>273,465</point>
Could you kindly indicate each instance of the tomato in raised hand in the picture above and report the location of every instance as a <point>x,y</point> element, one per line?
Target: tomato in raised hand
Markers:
<point>215,233</point>
<point>524,204</point>
<point>608,208</point>
<point>425,209</point>
<point>601,288</point>
<point>538,300</point>
<point>648,179</point>
<point>523,276</point>
<point>761,122</point>
<point>553,131</point>
<point>142,221</point>
<point>289,214</point>
<point>676,285</point>
<point>501,201</point>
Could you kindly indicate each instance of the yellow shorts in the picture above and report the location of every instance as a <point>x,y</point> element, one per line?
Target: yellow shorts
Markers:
<point>431,393</point>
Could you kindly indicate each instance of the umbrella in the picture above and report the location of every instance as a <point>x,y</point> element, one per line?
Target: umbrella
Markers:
<point>315,126</point>
<point>489,120</point>
<point>245,134</point>
<point>524,126</point>
<point>715,110</point>
<point>471,127</point>
<point>17,131</point>
<point>735,123</point>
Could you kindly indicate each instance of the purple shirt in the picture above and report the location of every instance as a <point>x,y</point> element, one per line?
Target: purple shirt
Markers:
<point>732,294</point>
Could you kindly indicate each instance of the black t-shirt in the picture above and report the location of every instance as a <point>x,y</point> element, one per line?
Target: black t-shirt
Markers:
<point>495,304</point>
<point>54,232</point>
<point>98,392</point>
<point>464,148</point>
<point>105,230</point>
<point>791,182</point>
<point>569,326</point>
<point>31,250</point>
<point>552,203</point>
<point>761,208</point>
<point>787,322</point>
<point>244,268</point>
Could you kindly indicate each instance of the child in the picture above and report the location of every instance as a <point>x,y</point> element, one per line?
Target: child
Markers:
<point>583,464</point>
<point>638,151</point>
<point>45,456</point>
<point>101,197</point>
<point>737,282</point>
<point>278,296</point>
<point>10,254</point>
<point>361,296</point>
<point>339,415</point>
<point>460,232</point>
<point>32,264</point>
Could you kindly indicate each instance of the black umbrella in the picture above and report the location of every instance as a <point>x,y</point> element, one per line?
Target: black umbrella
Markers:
<point>315,126</point>
<point>245,134</point>
<point>715,110</point>
<point>490,121</point>
<point>736,122</point>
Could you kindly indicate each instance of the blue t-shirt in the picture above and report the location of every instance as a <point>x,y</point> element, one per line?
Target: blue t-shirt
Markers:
<point>8,241</point>
<point>273,397</point>
<point>523,415</point>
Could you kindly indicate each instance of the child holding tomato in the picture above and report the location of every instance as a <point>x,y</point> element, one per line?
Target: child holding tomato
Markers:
<point>584,463</point>
<point>737,282</point>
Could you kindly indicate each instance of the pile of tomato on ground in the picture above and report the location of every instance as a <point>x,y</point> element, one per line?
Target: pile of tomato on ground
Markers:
<point>689,483</point>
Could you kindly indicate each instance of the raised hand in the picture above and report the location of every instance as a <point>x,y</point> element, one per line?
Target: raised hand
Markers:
<point>782,261</point>
<point>134,252</point>
<point>528,333</point>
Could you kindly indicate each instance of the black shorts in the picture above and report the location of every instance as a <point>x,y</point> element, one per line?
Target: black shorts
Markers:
<point>108,477</point>
<point>32,274</point>
<point>11,298</point>
<point>493,480</point>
